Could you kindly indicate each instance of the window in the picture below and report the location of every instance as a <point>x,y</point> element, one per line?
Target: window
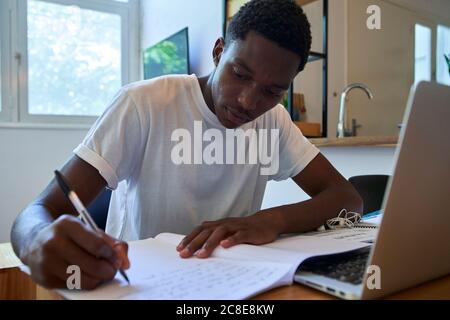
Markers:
<point>5,101</point>
<point>72,57</point>
<point>1,73</point>
<point>422,70</point>
<point>443,49</point>
<point>2,26</point>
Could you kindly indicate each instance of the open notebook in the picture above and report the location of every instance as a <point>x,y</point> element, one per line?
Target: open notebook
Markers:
<point>157,271</point>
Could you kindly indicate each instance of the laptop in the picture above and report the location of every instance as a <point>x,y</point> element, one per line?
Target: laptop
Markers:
<point>413,241</point>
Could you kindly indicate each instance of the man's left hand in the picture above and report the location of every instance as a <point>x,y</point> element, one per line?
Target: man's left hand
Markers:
<point>256,229</point>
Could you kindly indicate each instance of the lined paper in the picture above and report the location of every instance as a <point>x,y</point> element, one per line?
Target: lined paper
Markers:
<point>158,272</point>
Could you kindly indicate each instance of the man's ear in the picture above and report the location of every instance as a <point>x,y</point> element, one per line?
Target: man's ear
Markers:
<point>218,50</point>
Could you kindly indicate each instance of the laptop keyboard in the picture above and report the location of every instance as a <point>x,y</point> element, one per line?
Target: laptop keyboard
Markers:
<point>346,267</point>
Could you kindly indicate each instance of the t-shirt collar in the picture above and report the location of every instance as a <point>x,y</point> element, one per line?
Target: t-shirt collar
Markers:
<point>203,107</point>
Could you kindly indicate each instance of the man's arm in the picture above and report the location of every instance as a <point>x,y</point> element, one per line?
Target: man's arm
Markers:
<point>48,238</point>
<point>329,191</point>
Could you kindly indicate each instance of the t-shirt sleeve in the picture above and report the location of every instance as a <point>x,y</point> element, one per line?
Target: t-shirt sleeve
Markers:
<point>114,144</point>
<point>295,151</point>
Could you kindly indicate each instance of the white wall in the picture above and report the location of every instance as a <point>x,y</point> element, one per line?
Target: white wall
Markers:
<point>204,18</point>
<point>337,59</point>
<point>383,60</point>
<point>27,160</point>
<point>437,8</point>
<point>349,161</point>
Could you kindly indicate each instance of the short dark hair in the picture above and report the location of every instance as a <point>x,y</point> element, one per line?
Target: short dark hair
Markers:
<point>281,21</point>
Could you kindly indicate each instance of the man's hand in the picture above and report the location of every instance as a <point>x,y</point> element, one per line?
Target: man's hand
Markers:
<point>68,241</point>
<point>256,229</point>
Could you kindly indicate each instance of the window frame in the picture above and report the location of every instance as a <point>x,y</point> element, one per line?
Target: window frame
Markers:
<point>439,58</point>
<point>8,69</point>
<point>431,28</point>
<point>17,57</point>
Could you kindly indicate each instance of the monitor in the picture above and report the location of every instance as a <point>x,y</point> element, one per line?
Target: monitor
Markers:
<point>169,56</point>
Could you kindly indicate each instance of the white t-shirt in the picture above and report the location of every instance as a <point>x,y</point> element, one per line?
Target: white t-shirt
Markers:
<point>131,146</point>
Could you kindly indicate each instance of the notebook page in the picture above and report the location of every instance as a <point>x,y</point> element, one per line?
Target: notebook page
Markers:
<point>292,249</point>
<point>157,272</point>
<point>326,242</point>
<point>243,251</point>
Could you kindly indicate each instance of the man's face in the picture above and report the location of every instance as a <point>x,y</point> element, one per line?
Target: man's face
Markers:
<point>251,77</point>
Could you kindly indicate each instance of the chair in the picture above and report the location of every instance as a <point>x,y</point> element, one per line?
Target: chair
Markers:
<point>371,189</point>
<point>99,208</point>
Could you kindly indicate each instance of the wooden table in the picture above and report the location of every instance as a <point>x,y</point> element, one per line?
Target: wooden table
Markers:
<point>438,289</point>
<point>17,285</point>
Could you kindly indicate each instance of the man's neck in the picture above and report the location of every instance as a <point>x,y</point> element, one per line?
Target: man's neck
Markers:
<point>206,87</point>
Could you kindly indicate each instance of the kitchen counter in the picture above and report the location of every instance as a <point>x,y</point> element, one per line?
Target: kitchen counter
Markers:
<point>382,141</point>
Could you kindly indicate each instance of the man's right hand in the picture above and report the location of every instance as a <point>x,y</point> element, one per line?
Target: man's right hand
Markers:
<point>68,241</point>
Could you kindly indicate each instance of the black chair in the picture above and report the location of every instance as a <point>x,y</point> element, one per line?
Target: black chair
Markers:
<point>99,208</point>
<point>372,189</point>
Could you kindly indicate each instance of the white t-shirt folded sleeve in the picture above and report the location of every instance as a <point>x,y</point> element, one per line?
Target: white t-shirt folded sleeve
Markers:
<point>114,144</point>
<point>295,151</point>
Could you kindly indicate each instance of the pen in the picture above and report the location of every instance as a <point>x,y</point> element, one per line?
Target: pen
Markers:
<point>82,211</point>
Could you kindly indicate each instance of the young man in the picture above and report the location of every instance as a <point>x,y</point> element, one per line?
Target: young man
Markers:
<point>131,149</point>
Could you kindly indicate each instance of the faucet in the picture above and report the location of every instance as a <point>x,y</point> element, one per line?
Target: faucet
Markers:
<point>341,130</point>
